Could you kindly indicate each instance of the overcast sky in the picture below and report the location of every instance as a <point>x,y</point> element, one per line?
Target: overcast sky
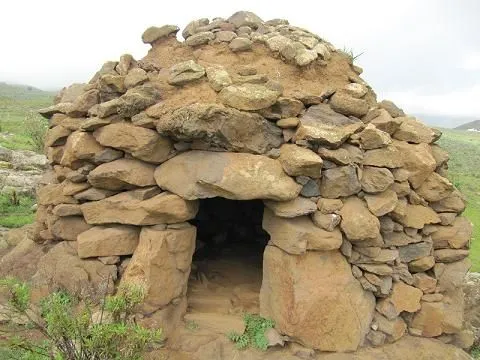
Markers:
<point>423,54</point>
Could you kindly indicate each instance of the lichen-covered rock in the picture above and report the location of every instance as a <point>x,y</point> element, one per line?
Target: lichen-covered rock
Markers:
<point>222,127</point>
<point>321,125</point>
<point>248,96</point>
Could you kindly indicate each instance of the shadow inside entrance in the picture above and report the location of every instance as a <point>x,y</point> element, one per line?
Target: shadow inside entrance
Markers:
<point>227,265</point>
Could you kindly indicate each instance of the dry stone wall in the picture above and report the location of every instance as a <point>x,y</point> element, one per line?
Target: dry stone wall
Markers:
<point>367,238</point>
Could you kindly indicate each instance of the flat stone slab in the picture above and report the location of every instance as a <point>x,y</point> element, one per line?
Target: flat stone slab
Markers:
<point>203,174</point>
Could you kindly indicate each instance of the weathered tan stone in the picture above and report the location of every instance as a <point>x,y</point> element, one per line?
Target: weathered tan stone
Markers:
<point>69,227</point>
<point>222,127</point>
<point>142,143</point>
<point>298,161</point>
<point>456,236</point>
<point>52,194</point>
<point>435,188</point>
<point>413,131</point>
<point>128,208</point>
<point>375,179</point>
<point>348,105</point>
<point>108,240</point>
<point>385,122</point>
<point>451,276</point>
<point>339,182</point>
<point>373,138</point>
<point>154,33</point>
<point>418,160</point>
<point>61,268</point>
<point>436,318</point>
<point>339,156</point>
<point>161,264</point>
<point>296,235</point>
<point>403,298</point>
<point>135,77</point>
<point>389,157</point>
<point>326,221</point>
<point>395,329</point>
<point>327,206</point>
<point>122,174</point>
<point>80,146</point>
<point>383,203</point>
<point>449,255</point>
<point>454,202</point>
<point>417,216</point>
<point>424,282</point>
<point>93,194</point>
<point>327,309</point>
<point>203,174</point>
<point>56,136</point>
<point>358,223</point>
<point>293,208</point>
<point>321,125</point>
<point>422,264</point>
<point>83,103</point>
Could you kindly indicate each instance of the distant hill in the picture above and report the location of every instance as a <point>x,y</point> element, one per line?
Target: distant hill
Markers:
<point>470,125</point>
<point>22,92</point>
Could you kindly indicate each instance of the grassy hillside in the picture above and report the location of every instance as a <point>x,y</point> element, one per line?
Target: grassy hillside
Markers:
<point>470,125</point>
<point>464,172</point>
<point>16,103</point>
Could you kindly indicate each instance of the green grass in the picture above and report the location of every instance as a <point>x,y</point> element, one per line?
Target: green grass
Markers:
<point>16,103</point>
<point>13,216</point>
<point>464,171</point>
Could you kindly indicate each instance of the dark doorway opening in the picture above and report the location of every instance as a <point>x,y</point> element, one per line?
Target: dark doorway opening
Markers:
<point>227,264</point>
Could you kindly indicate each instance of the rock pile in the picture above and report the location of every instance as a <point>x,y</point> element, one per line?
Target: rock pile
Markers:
<point>20,171</point>
<point>366,239</point>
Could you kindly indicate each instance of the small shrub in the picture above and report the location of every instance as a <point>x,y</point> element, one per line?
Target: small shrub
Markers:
<point>476,352</point>
<point>35,128</point>
<point>254,334</point>
<point>70,331</point>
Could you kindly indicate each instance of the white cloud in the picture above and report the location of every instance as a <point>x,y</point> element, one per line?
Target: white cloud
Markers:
<point>462,102</point>
<point>471,61</point>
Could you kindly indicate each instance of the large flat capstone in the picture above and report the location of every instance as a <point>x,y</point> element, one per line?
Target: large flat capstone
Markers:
<point>202,174</point>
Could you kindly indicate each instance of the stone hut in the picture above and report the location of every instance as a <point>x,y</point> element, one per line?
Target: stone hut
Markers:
<point>259,139</point>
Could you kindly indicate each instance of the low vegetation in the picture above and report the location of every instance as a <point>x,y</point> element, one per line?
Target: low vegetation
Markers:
<point>72,331</point>
<point>16,210</point>
<point>20,125</point>
<point>254,334</point>
<point>476,353</point>
<point>464,172</point>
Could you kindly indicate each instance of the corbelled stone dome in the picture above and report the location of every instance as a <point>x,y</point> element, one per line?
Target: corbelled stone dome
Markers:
<point>359,229</point>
